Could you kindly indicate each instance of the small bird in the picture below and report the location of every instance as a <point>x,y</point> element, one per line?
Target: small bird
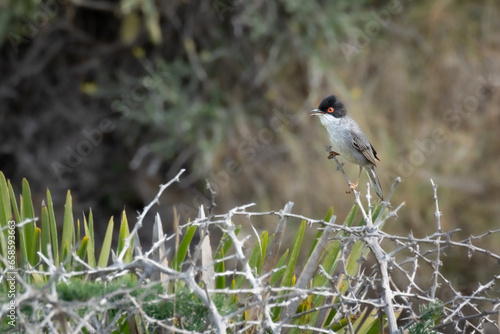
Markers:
<point>348,140</point>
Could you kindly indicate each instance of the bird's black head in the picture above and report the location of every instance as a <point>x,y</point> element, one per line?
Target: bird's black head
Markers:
<point>331,106</point>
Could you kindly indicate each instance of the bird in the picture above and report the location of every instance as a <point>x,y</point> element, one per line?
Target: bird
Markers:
<point>348,140</point>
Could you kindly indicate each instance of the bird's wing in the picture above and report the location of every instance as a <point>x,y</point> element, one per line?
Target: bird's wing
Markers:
<point>362,144</point>
<point>374,152</point>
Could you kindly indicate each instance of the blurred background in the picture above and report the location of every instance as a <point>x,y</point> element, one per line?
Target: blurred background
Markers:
<point>112,98</point>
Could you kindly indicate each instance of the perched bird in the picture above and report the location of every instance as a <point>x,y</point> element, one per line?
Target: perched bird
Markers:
<point>348,140</point>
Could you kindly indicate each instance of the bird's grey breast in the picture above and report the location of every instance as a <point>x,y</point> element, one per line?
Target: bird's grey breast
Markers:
<point>340,132</point>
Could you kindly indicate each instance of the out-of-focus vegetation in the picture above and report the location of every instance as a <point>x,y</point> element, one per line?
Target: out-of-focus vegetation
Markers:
<point>112,98</point>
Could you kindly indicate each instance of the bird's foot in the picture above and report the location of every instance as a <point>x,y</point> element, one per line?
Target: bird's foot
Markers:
<point>352,187</point>
<point>332,154</point>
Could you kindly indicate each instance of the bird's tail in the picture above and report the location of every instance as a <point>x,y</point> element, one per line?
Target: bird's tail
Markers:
<point>372,175</point>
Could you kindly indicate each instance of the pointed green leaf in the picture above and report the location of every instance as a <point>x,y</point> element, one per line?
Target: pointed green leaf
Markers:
<point>23,258</point>
<point>91,223</point>
<point>124,233</point>
<point>89,233</point>
<point>5,215</point>
<point>27,203</point>
<point>37,240</point>
<point>23,253</point>
<point>27,212</point>
<point>220,281</point>
<point>65,250</point>
<point>234,297</point>
<point>378,212</point>
<point>183,248</point>
<point>45,230</point>
<point>5,210</point>
<point>68,233</point>
<point>353,262</point>
<point>53,228</point>
<point>82,250</point>
<point>264,241</point>
<point>352,214</point>
<point>13,201</point>
<point>106,245</point>
<point>77,231</point>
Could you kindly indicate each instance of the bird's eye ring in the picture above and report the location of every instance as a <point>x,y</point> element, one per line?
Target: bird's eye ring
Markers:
<point>330,110</point>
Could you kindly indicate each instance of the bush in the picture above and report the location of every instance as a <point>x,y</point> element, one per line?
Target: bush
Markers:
<point>354,278</point>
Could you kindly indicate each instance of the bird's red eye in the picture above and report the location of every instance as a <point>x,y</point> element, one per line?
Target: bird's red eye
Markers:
<point>330,110</point>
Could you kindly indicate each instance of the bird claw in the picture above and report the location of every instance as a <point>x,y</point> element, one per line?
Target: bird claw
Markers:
<point>352,187</point>
<point>332,155</point>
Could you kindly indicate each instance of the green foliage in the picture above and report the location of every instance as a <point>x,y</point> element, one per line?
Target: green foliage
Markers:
<point>193,313</point>
<point>429,316</point>
<point>22,20</point>
<point>84,290</point>
<point>166,95</point>
<point>13,17</point>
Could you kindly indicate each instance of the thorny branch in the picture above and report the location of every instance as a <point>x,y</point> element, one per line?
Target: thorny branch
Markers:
<point>141,217</point>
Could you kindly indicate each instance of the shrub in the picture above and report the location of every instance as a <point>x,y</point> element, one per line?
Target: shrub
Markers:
<point>354,278</point>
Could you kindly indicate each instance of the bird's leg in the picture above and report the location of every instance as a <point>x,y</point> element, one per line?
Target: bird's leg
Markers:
<point>354,186</point>
<point>332,154</point>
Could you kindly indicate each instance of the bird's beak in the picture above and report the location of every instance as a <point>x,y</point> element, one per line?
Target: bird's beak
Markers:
<point>316,112</point>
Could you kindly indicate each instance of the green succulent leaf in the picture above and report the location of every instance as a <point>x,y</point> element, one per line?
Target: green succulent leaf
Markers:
<point>106,245</point>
